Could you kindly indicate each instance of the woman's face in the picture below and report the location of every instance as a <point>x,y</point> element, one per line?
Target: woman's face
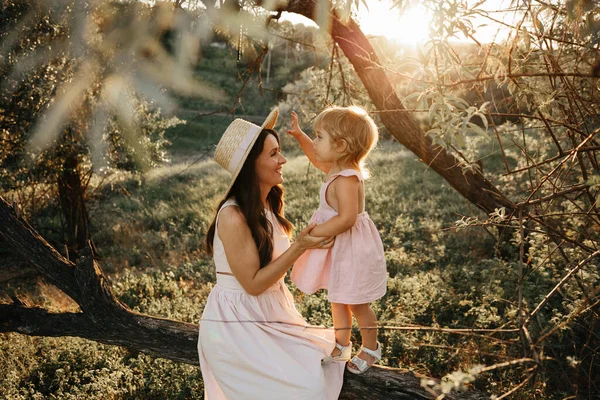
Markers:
<point>269,163</point>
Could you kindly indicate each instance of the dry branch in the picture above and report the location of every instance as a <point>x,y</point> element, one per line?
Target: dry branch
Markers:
<point>560,284</point>
<point>103,318</point>
<point>357,48</point>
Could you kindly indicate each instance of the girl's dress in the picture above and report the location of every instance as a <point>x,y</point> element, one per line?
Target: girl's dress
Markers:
<point>260,347</point>
<point>353,270</point>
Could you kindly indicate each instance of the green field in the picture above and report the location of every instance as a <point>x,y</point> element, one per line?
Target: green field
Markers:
<point>150,235</point>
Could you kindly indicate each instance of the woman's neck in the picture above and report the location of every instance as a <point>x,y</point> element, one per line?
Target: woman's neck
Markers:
<point>264,194</point>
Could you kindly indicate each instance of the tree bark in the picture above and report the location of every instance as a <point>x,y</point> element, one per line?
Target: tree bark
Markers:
<point>71,194</point>
<point>103,318</point>
<point>14,268</point>
<point>470,184</point>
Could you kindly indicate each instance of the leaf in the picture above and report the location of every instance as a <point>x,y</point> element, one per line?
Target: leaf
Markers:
<point>95,138</point>
<point>117,95</point>
<point>466,73</point>
<point>344,11</point>
<point>410,97</point>
<point>458,102</point>
<point>167,74</point>
<point>460,139</point>
<point>477,129</point>
<point>433,132</point>
<point>154,95</point>
<point>511,87</point>
<point>538,24</point>
<point>483,118</point>
<point>49,127</point>
<point>526,39</point>
<point>463,127</point>
<point>593,181</point>
<point>322,15</point>
<point>364,2</point>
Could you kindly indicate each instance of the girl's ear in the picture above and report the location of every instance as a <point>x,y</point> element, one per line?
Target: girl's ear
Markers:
<point>341,145</point>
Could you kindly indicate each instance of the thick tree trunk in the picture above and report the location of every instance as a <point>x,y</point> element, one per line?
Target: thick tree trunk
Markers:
<point>103,318</point>
<point>14,268</point>
<point>71,194</point>
<point>357,48</point>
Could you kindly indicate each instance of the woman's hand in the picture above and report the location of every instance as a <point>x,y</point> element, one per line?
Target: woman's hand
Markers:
<point>295,131</point>
<point>306,241</point>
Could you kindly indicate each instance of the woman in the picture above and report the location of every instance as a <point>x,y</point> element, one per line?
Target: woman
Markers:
<point>253,344</point>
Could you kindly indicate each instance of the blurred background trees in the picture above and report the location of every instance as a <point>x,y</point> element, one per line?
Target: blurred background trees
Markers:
<point>94,90</point>
<point>54,122</point>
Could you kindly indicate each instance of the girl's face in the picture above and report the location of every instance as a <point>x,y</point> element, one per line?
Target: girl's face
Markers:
<point>325,150</point>
<point>269,163</point>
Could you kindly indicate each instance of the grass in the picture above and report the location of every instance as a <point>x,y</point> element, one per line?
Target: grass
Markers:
<point>150,234</point>
<point>197,136</point>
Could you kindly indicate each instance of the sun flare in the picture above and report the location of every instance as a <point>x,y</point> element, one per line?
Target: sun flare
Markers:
<point>410,26</point>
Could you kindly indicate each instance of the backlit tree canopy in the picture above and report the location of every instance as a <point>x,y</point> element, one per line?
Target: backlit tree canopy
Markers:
<point>500,99</point>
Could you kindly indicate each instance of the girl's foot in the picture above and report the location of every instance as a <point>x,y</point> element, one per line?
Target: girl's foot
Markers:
<point>364,360</point>
<point>339,353</point>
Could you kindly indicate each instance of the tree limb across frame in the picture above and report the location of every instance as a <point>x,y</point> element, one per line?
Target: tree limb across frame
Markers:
<point>103,318</point>
<point>472,185</point>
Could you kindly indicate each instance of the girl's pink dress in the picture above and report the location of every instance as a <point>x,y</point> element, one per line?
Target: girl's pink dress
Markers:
<point>353,270</point>
<point>260,347</point>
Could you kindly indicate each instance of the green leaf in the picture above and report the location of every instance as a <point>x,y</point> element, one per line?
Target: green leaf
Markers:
<point>477,129</point>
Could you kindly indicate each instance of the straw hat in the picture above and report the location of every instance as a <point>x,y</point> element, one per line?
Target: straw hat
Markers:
<point>237,141</point>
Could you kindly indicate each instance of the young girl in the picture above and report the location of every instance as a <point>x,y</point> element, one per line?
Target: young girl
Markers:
<point>353,270</point>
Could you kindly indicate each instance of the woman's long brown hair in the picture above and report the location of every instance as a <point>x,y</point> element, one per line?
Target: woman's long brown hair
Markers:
<point>246,191</point>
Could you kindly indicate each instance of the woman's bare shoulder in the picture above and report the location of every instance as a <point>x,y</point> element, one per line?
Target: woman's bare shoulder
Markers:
<point>231,218</point>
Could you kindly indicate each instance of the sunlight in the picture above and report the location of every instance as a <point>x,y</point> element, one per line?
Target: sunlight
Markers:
<point>410,27</point>
<point>381,19</point>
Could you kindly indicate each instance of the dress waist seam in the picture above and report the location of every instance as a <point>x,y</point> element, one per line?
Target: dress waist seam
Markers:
<point>232,285</point>
<point>363,214</point>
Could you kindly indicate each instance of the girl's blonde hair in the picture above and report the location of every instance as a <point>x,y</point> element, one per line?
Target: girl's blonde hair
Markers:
<point>354,126</point>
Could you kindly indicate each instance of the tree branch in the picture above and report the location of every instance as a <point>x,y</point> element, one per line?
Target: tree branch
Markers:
<point>357,48</point>
<point>106,320</point>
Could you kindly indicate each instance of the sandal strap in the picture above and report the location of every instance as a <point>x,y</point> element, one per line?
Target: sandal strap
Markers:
<point>345,352</point>
<point>376,354</point>
<point>342,348</point>
<point>360,364</point>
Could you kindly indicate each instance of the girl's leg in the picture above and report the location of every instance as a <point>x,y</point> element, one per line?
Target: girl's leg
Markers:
<point>342,322</point>
<point>367,322</point>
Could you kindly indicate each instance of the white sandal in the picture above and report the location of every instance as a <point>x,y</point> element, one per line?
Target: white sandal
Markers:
<point>345,352</point>
<point>363,365</point>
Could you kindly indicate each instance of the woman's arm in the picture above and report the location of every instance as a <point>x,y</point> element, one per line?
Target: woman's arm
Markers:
<point>347,190</point>
<point>306,144</point>
<point>242,254</point>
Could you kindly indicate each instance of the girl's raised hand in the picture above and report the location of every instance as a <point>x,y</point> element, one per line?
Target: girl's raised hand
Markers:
<point>295,130</point>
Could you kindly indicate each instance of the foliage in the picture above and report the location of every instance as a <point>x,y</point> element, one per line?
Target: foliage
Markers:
<point>72,368</point>
<point>252,85</point>
<point>150,233</point>
<point>52,95</point>
<point>318,87</point>
<point>523,111</point>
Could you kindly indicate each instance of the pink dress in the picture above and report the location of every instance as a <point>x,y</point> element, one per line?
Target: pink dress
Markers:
<point>260,347</point>
<point>353,270</point>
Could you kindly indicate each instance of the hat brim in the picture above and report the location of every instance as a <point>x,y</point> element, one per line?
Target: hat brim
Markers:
<point>269,123</point>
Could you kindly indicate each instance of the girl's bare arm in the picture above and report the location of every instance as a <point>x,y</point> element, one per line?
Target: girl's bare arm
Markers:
<point>306,144</point>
